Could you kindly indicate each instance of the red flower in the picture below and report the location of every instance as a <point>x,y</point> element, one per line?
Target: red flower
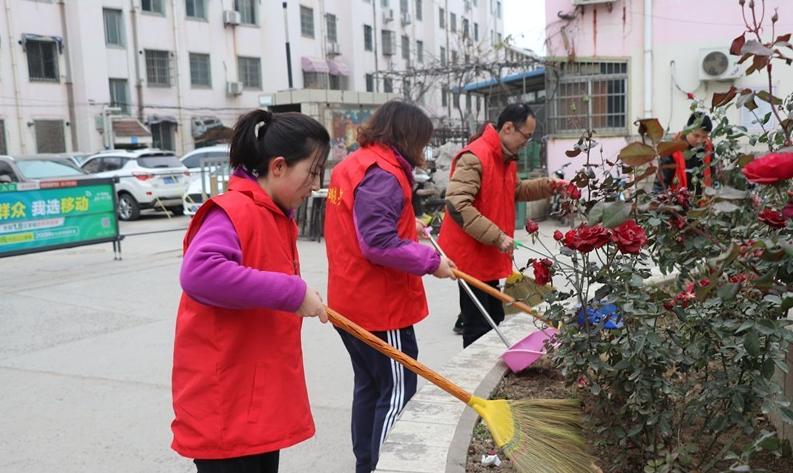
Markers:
<point>629,237</point>
<point>678,222</point>
<point>542,271</point>
<point>683,298</point>
<point>531,226</point>
<point>769,169</point>
<point>669,305</point>
<point>586,239</point>
<point>787,212</point>
<point>772,218</point>
<point>558,236</point>
<point>704,282</point>
<point>739,278</point>
<point>683,198</point>
<point>690,96</point>
<point>573,192</point>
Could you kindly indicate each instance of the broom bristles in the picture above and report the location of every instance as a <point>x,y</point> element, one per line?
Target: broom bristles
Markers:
<point>548,437</point>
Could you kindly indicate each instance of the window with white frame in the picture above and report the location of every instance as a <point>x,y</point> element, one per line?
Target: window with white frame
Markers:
<point>158,68</point>
<point>114,30</point>
<point>589,95</point>
<point>200,70</point>
<point>307,21</point>
<point>389,38</point>
<point>330,23</point>
<point>247,10</point>
<point>42,60</point>
<point>250,72</point>
<point>153,6</point>
<point>196,9</point>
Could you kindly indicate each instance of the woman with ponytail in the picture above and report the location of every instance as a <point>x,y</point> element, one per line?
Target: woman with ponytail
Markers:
<point>239,392</point>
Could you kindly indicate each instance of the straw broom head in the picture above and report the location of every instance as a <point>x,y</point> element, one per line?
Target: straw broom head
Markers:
<point>538,435</point>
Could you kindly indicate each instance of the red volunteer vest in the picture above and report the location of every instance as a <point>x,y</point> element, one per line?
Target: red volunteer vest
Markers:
<point>680,180</point>
<point>373,296</point>
<point>495,200</point>
<point>238,382</point>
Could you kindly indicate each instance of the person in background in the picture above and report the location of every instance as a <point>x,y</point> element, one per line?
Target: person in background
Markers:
<point>375,266</point>
<point>692,168</point>
<point>479,224</point>
<point>239,392</point>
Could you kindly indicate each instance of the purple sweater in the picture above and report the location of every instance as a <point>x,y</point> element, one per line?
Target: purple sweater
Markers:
<point>377,207</point>
<point>212,271</point>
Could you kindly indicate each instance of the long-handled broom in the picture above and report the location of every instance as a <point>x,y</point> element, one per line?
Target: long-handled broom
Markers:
<point>538,435</point>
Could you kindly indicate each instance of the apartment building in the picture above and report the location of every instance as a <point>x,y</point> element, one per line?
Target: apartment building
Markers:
<point>80,75</point>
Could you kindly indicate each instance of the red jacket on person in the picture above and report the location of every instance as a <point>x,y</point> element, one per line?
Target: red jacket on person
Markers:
<point>495,201</point>
<point>373,296</point>
<point>238,382</point>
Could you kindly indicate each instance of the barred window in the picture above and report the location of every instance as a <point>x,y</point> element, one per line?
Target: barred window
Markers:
<point>114,31</point>
<point>158,68</point>
<point>250,72</point>
<point>200,71</point>
<point>330,21</point>
<point>42,60</point>
<point>589,95</point>
<point>315,80</point>
<point>153,6</point>
<point>196,9</point>
<point>388,85</point>
<point>50,137</point>
<point>388,42</point>
<point>247,10</point>
<point>307,21</point>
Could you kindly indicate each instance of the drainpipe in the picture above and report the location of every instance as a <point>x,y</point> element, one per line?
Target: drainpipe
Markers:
<point>178,79</point>
<point>374,46</point>
<point>648,58</point>
<point>21,125</point>
<point>133,15</point>
<point>288,51</point>
<point>69,83</point>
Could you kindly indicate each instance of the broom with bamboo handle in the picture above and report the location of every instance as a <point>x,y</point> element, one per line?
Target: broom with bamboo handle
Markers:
<point>538,435</point>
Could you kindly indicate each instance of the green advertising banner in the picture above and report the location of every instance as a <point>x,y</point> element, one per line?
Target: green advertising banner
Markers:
<point>49,215</point>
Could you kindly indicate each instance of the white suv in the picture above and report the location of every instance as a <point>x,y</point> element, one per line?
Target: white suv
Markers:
<point>147,178</point>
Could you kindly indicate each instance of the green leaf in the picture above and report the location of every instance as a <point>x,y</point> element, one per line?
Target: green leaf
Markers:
<point>637,154</point>
<point>752,343</point>
<point>596,213</point>
<point>725,207</point>
<point>766,327</point>
<point>766,97</point>
<point>727,292</point>
<point>787,414</point>
<point>615,214</point>
<point>768,369</point>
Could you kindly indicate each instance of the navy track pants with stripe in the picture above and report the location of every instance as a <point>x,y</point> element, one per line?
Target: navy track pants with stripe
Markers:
<point>382,388</point>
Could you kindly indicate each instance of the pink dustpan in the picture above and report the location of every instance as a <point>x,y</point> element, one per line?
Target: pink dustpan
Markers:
<point>524,353</point>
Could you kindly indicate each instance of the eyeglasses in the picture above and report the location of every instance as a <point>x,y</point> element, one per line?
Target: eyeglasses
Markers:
<point>527,136</point>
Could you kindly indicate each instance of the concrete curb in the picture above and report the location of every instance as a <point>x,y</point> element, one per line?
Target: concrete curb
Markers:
<point>434,430</point>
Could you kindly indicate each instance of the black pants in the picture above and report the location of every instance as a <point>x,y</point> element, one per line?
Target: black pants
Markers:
<point>474,324</point>
<point>262,463</point>
<point>382,388</point>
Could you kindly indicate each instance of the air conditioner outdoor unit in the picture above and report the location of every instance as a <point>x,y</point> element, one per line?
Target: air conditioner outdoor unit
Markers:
<point>231,17</point>
<point>718,65</point>
<point>388,15</point>
<point>234,88</point>
<point>333,49</point>
<point>405,19</point>
<point>591,2</point>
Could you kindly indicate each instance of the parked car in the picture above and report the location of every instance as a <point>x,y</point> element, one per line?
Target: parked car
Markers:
<point>197,190</point>
<point>148,179</point>
<point>193,159</point>
<point>194,196</point>
<point>40,167</point>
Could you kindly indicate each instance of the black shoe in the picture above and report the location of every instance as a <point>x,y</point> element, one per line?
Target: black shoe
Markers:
<point>458,326</point>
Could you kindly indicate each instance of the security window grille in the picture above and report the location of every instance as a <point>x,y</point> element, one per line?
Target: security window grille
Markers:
<point>315,80</point>
<point>119,94</point>
<point>250,72</point>
<point>419,8</point>
<point>452,22</point>
<point>441,18</point>
<point>162,135</point>
<point>338,82</point>
<point>388,42</point>
<point>307,21</point>
<point>200,75</point>
<point>405,48</point>
<point>330,27</point>
<point>153,6</point>
<point>114,32</point>
<point>247,10</point>
<point>196,9</point>
<point>42,60</point>
<point>367,37</point>
<point>158,68</point>
<point>420,51</point>
<point>3,148</point>
<point>388,85</point>
<point>369,82</point>
<point>590,95</point>
<point>50,137</point>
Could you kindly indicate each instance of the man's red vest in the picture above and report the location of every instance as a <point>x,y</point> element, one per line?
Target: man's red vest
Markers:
<point>238,382</point>
<point>373,296</point>
<point>680,181</point>
<point>495,201</point>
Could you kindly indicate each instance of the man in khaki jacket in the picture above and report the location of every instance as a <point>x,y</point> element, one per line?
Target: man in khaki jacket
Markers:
<point>478,200</point>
